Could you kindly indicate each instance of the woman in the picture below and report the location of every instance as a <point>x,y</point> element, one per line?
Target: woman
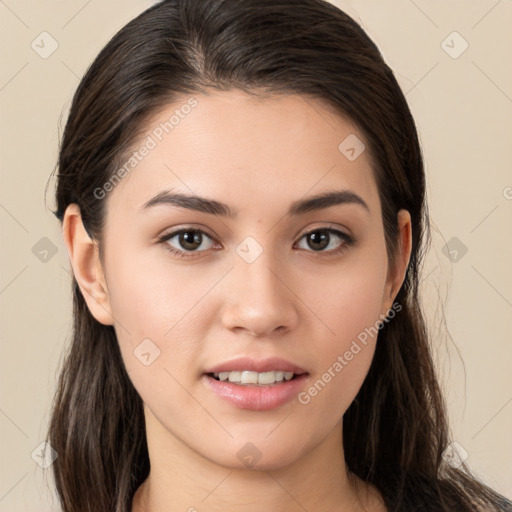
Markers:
<point>242,195</point>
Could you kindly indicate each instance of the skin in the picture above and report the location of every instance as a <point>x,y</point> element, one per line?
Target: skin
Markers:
<point>295,302</point>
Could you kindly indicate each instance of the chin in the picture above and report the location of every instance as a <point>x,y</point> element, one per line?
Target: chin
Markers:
<point>258,455</point>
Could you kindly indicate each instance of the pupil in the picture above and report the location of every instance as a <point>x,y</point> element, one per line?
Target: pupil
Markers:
<point>189,238</point>
<point>319,237</point>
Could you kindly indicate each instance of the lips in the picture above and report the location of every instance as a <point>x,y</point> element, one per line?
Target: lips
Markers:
<point>256,398</point>
<point>256,365</point>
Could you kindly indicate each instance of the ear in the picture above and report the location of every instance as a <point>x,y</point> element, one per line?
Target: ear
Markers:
<point>398,269</point>
<point>84,257</point>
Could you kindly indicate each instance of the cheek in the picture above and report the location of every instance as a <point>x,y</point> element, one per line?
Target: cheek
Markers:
<point>349,305</point>
<point>151,297</point>
<point>154,324</point>
<point>159,321</point>
<point>349,299</point>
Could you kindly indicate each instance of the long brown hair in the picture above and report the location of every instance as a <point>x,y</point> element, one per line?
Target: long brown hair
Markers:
<point>395,432</point>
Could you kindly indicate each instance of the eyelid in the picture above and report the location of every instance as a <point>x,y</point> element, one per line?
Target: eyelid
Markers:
<point>329,227</point>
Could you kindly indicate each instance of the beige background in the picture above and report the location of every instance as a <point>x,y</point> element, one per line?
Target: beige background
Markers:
<point>463,108</point>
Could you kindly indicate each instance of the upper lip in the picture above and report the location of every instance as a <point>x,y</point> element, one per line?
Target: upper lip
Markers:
<point>256,365</point>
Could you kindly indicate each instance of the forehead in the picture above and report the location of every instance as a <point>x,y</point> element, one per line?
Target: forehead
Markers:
<point>245,150</point>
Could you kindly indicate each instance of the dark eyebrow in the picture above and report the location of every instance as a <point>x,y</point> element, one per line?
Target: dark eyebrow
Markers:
<point>301,206</point>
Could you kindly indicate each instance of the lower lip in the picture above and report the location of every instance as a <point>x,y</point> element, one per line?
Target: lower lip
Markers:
<point>257,398</point>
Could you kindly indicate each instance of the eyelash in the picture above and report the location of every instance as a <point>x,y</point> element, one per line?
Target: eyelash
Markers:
<point>348,241</point>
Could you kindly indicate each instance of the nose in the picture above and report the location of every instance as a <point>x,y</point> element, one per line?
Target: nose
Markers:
<point>258,298</point>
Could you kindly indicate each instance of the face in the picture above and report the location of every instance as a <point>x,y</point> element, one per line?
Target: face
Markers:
<point>304,284</point>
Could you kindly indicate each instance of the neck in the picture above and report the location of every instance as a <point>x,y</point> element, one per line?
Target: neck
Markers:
<point>183,480</point>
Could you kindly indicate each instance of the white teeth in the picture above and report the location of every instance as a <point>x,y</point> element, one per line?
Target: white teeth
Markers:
<point>266,378</point>
<point>254,378</point>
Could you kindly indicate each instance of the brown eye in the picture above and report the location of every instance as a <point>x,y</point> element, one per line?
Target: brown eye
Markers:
<point>186,241</point>
<point>322,238</point>
<point>190,240</point>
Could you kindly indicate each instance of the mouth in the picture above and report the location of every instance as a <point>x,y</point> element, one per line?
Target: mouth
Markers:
<point>256,384</point>
<point>256,391</point>
<point>252,379</point>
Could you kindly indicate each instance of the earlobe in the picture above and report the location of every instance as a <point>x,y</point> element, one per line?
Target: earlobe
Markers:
<point>84,258</point>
